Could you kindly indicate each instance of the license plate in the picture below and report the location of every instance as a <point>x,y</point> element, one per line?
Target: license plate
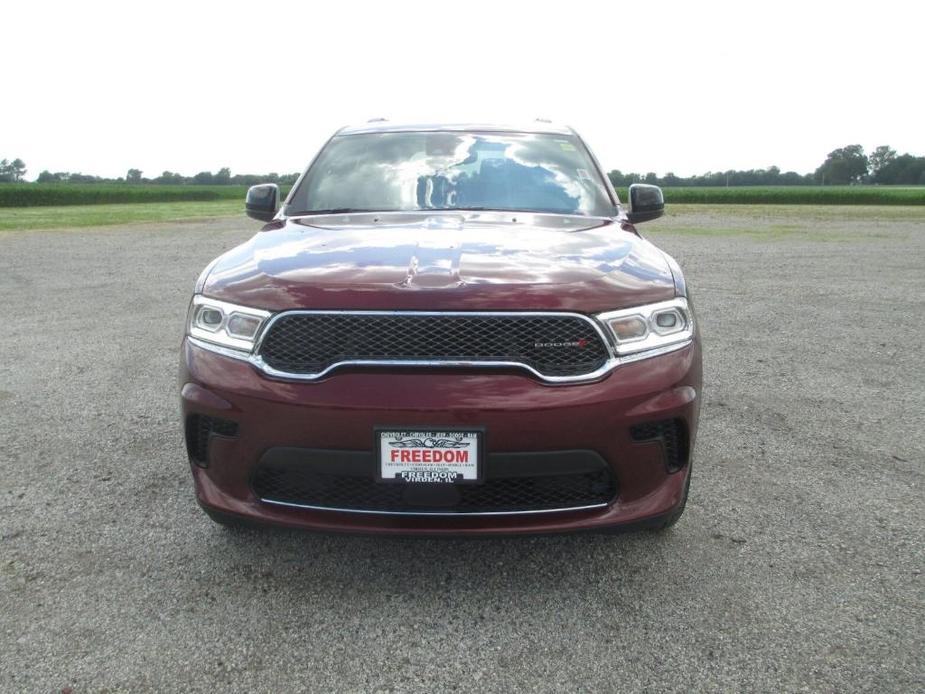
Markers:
<point>429,457</point>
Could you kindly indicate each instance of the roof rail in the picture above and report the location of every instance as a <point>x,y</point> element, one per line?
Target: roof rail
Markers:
<point>376,120</point>
<point>543,120</point>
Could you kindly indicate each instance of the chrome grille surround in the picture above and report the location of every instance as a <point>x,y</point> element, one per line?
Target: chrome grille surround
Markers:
<point>612,360</point>
<point>528,340</point>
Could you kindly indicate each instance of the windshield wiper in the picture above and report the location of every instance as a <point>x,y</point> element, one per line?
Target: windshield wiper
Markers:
<point>536,210</point>
<point>335,210</point>
<point>426,210</point>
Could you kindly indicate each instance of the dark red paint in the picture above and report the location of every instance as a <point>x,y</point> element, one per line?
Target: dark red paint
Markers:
<point>453,261</point>
<point>519,413</point>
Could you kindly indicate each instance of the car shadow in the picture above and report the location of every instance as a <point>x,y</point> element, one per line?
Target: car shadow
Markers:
<point>409,567</point>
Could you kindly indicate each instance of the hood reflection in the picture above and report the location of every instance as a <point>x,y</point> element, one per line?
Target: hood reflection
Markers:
<point>436,252</point>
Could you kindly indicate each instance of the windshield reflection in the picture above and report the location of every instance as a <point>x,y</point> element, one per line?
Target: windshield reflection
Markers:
<point>449,170</point>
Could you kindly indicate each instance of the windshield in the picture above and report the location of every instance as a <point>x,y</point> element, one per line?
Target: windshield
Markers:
<point>453,171</point>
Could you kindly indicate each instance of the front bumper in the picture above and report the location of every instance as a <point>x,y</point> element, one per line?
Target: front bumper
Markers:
<point>518,414</point>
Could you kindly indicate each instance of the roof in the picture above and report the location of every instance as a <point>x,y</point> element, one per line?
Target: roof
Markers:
<point>385,126</point>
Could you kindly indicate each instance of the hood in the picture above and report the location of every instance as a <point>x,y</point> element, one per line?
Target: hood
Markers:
<point>442,262</point>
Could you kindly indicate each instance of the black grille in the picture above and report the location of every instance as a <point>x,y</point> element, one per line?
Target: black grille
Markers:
<point>507,488</point>
<point>199,428</point>
<point>553,345</point>
<point>673,435</point>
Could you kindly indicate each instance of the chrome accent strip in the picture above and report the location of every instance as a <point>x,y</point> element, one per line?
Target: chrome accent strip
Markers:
<point>218,349</point>
<point>432,513</point>
<point>600,373</point>
<point>433,363</point>
<point>654,352</point>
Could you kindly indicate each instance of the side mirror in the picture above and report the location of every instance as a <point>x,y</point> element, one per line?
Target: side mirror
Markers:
<point>646,203</point>
<point>262,201</point>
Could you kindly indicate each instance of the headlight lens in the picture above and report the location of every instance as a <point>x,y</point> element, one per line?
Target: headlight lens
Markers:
<point>209,318</point>
<point>228,325</point>
<point>661,326</point>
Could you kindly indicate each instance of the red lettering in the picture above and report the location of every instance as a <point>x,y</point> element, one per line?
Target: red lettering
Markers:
<point>428,455</point>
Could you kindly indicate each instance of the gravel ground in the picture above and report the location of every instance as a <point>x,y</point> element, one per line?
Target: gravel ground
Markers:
<point>797,566</point>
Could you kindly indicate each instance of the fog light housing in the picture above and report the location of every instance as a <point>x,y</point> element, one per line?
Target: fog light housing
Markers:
<point>199,430</point>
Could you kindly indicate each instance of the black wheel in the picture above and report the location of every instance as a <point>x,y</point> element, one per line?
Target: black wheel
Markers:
<point>671,518</point>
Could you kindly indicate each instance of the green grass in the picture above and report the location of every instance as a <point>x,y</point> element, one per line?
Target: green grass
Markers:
<point>42,194</point>
<point>784,223</point>
<point>793,214</point>
<point>767,220</point>
<point>795,195</point>
<point>68,216</point>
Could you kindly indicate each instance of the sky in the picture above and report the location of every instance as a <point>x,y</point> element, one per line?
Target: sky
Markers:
<point>686,87</point>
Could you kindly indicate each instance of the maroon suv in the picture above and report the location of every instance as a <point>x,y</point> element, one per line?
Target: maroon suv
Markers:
<point>444,330</point>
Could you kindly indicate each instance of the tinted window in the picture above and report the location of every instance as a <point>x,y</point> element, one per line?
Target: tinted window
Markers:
<point>453,170</point>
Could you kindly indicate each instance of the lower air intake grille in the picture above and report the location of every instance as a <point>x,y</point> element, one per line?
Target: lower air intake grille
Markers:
<point>553,345</point>
<point>673,435</point>
<point>512,484</point>
<point>199,429</point>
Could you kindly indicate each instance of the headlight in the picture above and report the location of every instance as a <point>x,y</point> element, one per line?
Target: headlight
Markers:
<point>221,323</point>
<point>663,326</point>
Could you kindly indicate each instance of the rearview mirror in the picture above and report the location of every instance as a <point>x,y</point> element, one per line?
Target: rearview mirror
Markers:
<point>262,201</point>
<point>646,203</point>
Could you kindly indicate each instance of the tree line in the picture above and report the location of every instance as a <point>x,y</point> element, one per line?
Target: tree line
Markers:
<point>15,171</point>
<point>843,166</point>
<point>11,171</point>
<point>222,177</point>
